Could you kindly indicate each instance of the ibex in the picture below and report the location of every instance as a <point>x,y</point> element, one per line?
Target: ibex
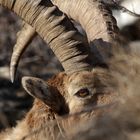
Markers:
<point>83,84</point>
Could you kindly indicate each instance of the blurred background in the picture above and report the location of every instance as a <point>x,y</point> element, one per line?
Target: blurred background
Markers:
<point>39,60</point>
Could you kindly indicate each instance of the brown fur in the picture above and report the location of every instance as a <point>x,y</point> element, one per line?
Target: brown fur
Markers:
<point>41,116</point>
<point>113,88</point>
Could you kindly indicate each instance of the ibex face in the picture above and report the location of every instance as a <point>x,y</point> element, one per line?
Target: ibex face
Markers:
<point>72,93</point>
<point>86,88</point>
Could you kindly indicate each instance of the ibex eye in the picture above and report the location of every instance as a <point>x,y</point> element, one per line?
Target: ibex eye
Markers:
<point>82,93</point>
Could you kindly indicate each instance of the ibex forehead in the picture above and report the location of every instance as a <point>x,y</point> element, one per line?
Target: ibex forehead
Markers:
<point>92,80</point>
<point>79,80</point>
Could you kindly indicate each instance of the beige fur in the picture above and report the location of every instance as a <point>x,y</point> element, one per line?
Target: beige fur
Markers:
<point>41,121</point>
<point>77,115</point>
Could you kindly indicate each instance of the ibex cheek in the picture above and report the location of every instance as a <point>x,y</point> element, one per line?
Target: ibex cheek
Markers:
<point>75,106</point>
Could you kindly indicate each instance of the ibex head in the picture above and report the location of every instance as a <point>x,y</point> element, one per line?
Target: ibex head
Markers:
<point>81,85</point>
<point>72,93</point>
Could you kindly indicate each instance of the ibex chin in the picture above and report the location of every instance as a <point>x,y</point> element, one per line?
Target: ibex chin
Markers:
<point>84,83</point>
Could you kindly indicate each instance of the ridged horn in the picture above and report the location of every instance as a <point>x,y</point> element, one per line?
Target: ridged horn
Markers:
<point>24,37</point>
<point>55,28</point>
<point>95,18</point>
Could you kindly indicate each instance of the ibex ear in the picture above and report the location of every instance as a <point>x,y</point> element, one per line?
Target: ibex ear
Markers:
<point>38,88</point>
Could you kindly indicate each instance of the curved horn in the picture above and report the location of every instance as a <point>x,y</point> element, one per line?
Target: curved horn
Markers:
<point>24,37</point>
<point>95,18</point>
<point>56,29</point>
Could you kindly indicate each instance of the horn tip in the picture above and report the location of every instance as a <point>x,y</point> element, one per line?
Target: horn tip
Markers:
<point>12,74</point>
<point>12,78</point>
